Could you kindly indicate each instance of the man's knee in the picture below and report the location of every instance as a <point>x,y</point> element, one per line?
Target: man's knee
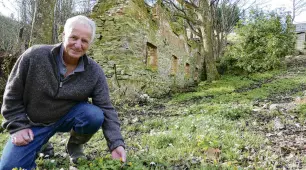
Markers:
<point>91,118</point>
<point>94,114</point>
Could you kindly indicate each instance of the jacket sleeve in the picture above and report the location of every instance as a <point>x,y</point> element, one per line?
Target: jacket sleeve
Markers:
<point>13,108</point>
<point>111,125</point>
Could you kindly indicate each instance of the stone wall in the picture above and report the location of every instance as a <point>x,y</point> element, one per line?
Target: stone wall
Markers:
<point>142,49</point>
<point>300,30</point>
<point>300,42</point>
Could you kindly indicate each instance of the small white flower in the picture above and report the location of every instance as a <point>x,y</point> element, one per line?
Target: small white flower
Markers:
<point>64,155</point>
<point>152,164</point>
<point>41,155</point>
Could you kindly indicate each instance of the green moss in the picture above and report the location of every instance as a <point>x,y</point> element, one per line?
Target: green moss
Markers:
<point>265,75</point>
<point>177,26</point>
<point>102,7</point>
<point>193,44</point>
<point>256,86</point>
<point>142,14</point>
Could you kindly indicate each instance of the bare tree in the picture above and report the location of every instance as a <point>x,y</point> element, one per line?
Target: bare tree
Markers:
<point>84,6</point>
<point>198,16</point>
<point>225,16</point>
<point>210,21</point>
<point>33,23</point>
<point>298,6</point>
<point>47,17</point>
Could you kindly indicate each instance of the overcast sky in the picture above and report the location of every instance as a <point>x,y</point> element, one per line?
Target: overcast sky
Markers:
<point>272,4</point>
<point>7,8</point>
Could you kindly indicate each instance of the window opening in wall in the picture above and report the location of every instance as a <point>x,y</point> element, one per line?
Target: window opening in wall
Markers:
<point>151,56</point>
<point>198,58</point>
<point>174,65</point>
<point>196,74</point>
<point>187,69</point>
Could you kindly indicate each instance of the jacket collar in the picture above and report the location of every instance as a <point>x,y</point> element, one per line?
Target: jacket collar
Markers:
<point>56,50</point>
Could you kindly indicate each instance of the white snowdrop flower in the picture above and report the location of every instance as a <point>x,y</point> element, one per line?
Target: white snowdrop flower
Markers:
<point>64,155</point>
<point>52,161</point>
<point>41,155</point>
<point>152,164</point>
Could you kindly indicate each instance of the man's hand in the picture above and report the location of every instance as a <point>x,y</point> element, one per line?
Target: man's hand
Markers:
<point>119,153</point>
<point>22,137</point>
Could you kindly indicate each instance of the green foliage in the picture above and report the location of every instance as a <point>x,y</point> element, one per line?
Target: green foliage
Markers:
<point>206,91</point>
<point>108,163</point>
<point>239,89</point>
<point>8,32</point>
<point>188,135</point>
<point>265,76</point>
<point>47,164</point>
<point>163,141</point>
<point>236,112</point>
<point>264,39</point>
<point>191,136</point>
<point>102,7</point>
<point>177,25</point>
<point>301,110</point>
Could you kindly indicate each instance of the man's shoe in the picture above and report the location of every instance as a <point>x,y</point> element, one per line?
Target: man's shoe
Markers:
<point>75,146</point>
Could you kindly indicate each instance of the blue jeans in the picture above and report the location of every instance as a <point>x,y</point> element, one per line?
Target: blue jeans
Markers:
<point>83,118</point>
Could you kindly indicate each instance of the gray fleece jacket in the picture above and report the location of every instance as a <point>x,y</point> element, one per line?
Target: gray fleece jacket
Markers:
<point>34,94</point>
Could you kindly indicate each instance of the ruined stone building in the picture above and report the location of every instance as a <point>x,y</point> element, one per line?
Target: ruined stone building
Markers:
<point>143,49</point>
<point>300,30</point>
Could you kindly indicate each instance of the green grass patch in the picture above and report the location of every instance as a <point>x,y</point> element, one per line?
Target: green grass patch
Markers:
<point>191,136</point>
<point>223,90</point>
<point>211,128</point>
<point>265,75</point>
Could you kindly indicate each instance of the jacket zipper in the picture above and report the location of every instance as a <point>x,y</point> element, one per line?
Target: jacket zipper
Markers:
<point>61,82</point>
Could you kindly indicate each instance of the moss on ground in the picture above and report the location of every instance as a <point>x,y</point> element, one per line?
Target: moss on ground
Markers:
<point>192,130</point>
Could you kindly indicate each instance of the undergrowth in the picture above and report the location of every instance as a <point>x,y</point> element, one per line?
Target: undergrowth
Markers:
<point>211,128</point>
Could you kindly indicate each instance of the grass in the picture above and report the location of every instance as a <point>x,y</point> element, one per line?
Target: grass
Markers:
<point>212,128</point>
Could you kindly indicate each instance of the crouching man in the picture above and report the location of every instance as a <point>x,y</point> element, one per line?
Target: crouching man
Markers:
<point>48,91</point>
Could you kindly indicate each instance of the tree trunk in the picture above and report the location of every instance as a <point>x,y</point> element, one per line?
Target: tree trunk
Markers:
<point>54,26</point>
<point>44,22</point>
<point>33,22</point>
<point>207,33</point>
<point>293,10</point>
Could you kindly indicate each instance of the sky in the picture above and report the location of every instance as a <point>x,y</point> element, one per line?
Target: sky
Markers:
<point>273,4</point>
<point>7,8</point>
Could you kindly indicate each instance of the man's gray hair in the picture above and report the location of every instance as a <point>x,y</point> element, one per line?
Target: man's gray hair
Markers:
<point>81,19</point>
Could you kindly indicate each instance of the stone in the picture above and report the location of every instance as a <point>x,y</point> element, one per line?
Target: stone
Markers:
<point>125,29</point>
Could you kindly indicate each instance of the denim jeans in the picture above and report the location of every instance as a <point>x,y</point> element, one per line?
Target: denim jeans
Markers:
<point>83,118</point>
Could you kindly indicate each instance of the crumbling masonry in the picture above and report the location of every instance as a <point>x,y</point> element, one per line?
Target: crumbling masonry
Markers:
<point>143,49</point>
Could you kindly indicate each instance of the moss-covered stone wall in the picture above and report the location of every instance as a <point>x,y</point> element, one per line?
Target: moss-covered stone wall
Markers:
<point>136,45</point>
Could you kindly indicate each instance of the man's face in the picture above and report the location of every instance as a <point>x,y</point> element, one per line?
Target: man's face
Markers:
<point>76,41</point>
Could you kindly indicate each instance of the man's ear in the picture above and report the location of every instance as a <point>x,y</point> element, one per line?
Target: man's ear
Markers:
<point>63,36</point>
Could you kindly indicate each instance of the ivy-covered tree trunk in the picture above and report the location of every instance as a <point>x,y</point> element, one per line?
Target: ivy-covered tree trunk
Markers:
<point>43,27</point>
<point>207,35</point>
